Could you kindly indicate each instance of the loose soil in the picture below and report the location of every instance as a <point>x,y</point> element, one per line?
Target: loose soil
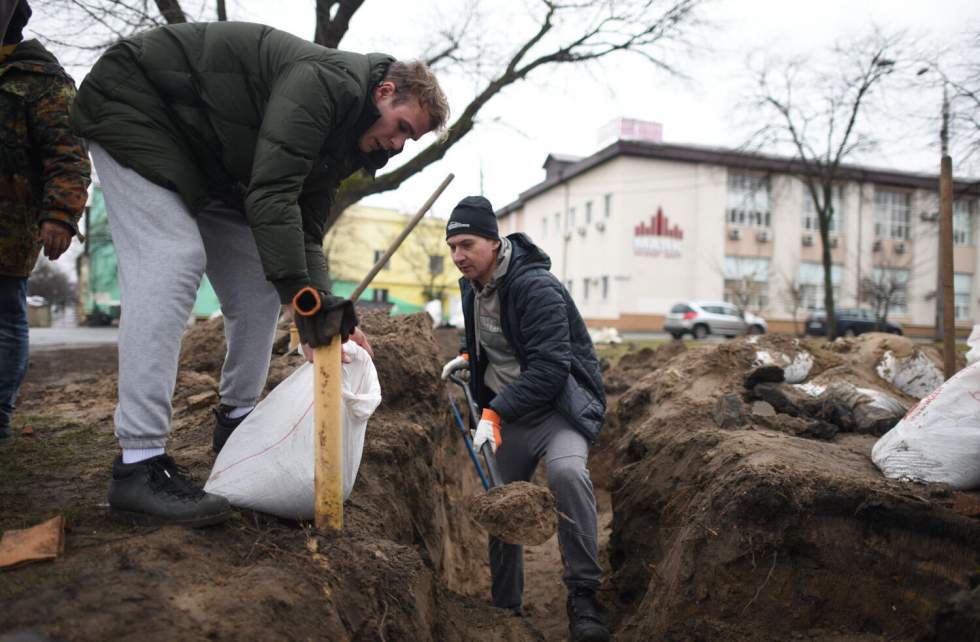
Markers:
<point>517,513</point>
<point>743,532</point>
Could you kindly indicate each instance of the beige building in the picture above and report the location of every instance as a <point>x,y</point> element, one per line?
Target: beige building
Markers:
<point>641,225</point>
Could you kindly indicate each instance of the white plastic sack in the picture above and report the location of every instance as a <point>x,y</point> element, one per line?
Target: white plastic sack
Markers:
<point>915,375</point>
<point>939,439</point>
<point>974,342</point>
<point>267,463</point>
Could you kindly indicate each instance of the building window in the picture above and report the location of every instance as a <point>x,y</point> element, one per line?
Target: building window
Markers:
<point>588,212</point>
<point>891,286</point>
<point>892,214</point>
<point>558,223</point>
<point>811,284</point>
<point>377,257</point>
<point>747,282</point>
<point>544,227</point>
<point>379,295</point>
<point>571,218</point>
<point>437,263</point>
<point>962,295</point>
<point>748,200</point>
<point>810,221</point>
<point>585,289</point>
<point>605,288</point>
<point>964,211</point>
<point>607,206</point>
<point>568,286</point>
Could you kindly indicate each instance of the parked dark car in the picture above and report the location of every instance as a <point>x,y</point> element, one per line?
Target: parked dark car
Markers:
<point>850,323</point>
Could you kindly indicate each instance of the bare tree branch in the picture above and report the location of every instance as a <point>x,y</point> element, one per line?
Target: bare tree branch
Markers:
<point>333,20</point>
<point>614,27</point>
<point>171,11</point>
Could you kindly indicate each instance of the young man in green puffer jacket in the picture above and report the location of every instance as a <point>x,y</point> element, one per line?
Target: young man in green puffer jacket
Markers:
<point>220,147</point>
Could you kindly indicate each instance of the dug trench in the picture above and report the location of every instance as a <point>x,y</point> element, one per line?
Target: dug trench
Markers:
<point>750,531</point>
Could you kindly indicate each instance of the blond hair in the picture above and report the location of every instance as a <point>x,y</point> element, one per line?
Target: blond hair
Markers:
<point>414,78</point>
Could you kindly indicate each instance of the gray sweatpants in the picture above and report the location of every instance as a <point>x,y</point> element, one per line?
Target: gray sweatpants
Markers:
<point>162,252</point>
<point>565,452</point>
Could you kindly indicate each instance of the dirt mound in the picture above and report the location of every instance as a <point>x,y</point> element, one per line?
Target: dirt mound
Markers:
<point>517,513</point>
<point>634,365</point>
<point>409,563</point>
<point>745,530</point>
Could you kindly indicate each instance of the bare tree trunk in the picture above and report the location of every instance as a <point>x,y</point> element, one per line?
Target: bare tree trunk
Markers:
<point>222,11</point>
<point>171,11</point>
<point>330,29</point>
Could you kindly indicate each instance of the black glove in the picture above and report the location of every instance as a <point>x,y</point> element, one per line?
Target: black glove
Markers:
<point>320,317</point>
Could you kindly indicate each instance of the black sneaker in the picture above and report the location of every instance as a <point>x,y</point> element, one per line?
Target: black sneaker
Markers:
<point>155,491</point>
<point>585,623</point>
<point>223,427</point>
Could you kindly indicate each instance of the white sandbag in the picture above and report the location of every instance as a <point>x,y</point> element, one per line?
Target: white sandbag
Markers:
<point>939,439</point>
<point>267,463</point>
<point>973,355</point>
<point>915,375</point>
<point>795,370</point>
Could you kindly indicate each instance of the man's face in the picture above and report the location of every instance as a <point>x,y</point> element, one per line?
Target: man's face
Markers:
<point>475,256</point>
<point>398,122</point>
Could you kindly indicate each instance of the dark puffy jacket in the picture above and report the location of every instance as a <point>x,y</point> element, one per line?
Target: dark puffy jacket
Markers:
<point>255,117</point>
<point>44,170</point>
<point>559,367</point>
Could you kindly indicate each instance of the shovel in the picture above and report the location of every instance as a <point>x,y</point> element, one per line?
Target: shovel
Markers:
<point>486,450</point>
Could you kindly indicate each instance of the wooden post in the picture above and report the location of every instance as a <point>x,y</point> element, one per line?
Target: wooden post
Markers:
<point>946,263</point>
<point>328,457</point>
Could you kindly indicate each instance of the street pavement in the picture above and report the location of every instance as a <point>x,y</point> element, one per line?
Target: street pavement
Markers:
<point>71,337</point>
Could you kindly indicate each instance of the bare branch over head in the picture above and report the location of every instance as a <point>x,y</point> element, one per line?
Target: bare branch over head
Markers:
<point>562,33</point>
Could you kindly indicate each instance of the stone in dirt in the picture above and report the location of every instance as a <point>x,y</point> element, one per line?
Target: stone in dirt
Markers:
<point>517,513</point>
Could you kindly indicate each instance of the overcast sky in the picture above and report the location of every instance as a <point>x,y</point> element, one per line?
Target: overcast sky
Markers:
<point>561,111</point>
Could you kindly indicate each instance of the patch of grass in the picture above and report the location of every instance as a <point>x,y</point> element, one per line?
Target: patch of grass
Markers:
<point>60,469</point>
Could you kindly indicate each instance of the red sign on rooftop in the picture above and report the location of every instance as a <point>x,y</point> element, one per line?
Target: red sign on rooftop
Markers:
<point>659,226</point>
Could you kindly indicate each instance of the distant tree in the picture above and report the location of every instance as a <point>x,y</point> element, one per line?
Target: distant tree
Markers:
<point>793,298</point>
<point>818,112</point>
<point>882,291</point>
<point>426,254</point>
<point>54,285</point>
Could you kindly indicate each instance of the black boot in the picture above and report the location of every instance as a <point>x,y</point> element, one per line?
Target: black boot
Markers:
<point>223,427</point>
<point>155,491</point>
<point>585,623</point>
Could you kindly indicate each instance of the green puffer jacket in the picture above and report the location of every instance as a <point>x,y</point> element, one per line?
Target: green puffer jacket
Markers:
<point>44,170</point>
<point>255,117</point>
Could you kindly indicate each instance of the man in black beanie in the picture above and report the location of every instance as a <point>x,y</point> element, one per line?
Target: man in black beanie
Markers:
<point>535,374</point>
<point>44,177</point>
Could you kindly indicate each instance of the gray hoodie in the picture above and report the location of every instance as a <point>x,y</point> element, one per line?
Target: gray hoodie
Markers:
<point>503,367</point>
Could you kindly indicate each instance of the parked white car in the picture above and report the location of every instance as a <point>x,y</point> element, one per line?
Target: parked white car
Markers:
<point>702,318</point>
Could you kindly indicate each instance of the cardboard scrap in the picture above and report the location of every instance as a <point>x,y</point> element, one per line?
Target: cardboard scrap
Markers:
<point>46,541</point>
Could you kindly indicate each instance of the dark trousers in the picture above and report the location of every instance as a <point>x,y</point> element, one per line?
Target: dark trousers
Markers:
<point>13,343</point>
<point>564,451</point>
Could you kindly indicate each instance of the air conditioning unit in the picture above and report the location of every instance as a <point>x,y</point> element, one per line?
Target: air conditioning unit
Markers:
<point>807,240</point>
<point>899,248</point>
<point>876,246</point>
<point>834,241</point>
<point>581,230</point>
<point>600,225</point>
<point>568,235</point>
<point>762,236</point>
<point>734,234</point>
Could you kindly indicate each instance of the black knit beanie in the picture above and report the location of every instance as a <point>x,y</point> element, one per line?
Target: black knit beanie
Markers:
<point>473,215</point>
<point>15,28</point>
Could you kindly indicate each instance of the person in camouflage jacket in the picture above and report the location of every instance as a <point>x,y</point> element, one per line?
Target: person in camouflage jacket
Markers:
<point>44,177</point>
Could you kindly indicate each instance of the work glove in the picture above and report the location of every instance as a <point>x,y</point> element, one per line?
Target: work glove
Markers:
<point>319,317</point>
<point>460,362</point>
<point>488,430</point>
